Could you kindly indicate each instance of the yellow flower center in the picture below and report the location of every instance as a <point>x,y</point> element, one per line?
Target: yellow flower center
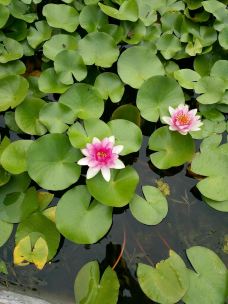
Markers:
<point>101,154</point>
<point>183,119</point>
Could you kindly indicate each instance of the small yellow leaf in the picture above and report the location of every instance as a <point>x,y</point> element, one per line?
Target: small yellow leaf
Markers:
<point>40,253</point>
<point>50,213</point>
<point>44,199</point>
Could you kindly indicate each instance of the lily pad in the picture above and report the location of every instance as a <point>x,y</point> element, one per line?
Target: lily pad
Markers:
<point>92,19</point>
<point>173,148</point>
<point>4,15</point>
<point>223,37</point>
<point>127,112</point>
<point>118,191</point>
<point>151,210</point>
<point>220,206</point>
<point>52,162</point>
<point>14,157</point>
<point>84,100</point>
<point>49,82</point>
<point>209,283</point>
<point>156,95</point>
<point>61,16</point>
<point>128,10</point>
<point>5,232</point>
<point>27,116</point>
<point>137,64</point>
<point>13,90</point>
<point>167,283</point>
<point>186,78</point>
<point>88,286</point>
<point>16,67</point>
<point>96,43</point>
<point>10,50</point>
<point>83,222</point>
<point>38,34</point>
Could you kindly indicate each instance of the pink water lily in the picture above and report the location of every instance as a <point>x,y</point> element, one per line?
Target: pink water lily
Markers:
<point>101,155</point>
<point>183,120</point>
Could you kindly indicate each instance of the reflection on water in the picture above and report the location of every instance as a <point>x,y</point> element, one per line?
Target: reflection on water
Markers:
<point>189,222</point>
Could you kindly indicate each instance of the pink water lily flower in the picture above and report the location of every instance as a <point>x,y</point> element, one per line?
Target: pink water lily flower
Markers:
<point>183,120</point>
<point>101,155</point>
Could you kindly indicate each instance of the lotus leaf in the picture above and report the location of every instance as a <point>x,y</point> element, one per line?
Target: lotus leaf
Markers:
<point>92,19</point>
<point>84,100</point>
<point>88,286</point>
<point>10,50</point>
<point>5,232</point>
<point>83,222</point>
<point>49,82</point>
<point>168,45</point>
<point>52,162</point>
<point>127,112</point>
<point>44,199</point>
<point>116,193</point>
<point>208,284</point>
<point>20,10</point>
<point>151,210</point>
<point>16,67</point>
<point>4,15</point>
<point>223,37</point>
<point>133,33</point>
<point>96,43</point>
<point>38,34</point>
<point>186,78</point>
<point>137,64</point>
<point>173,148</point>
<point>56,117</point>
<point>61,16</point>
<point>167,283</point>
<point>155,96</point>
<point>128,10</point>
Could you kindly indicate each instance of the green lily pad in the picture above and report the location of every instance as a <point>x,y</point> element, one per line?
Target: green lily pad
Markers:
<point>127,134</point>
<point>52,162</point>
<point>84,100</point>
<point>4,15</point>
<point>186,78</point>
<point>93,45</point>
<point>109,86</point>
<point>14,157</point>
<point>137,64</point>
<point>167,283</point>
<point>128,10</point>
<point>61,16</point>
<point>133,32</point>
<point>16,67</point>
<point>79,136</point>
<point>36,226</point>
<point>59,43</point>
<point>49,82</point>
<point>220,206</point>
<point>13,90</point>
<point>118,191</point>
<point>223,38</point>
<point>209,283</point>
<point>84,222</point>
<point>5,232</point>
<point>219,69</point>
<point>38,34</point>
<point>92,19</point>
<point>173,148</point>
<point>156,95</point>
<point>56,117</point>
<point>10,50</point>
<point>213,164</point>
<point>27,116</point>
<point>88,286</point>
<point>17,206</point>
<point>151,210</point>
<point>20,10</point>
<point>168,44</point>
<point>127,112</point>
<point>68,65</point>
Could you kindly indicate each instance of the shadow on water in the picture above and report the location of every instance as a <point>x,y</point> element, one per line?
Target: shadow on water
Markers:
<point>189,222</point>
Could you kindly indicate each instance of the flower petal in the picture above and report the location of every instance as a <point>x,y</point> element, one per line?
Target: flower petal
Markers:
<point>117,149</point>
<point>85,152</point>
<point>106,173</point>
<point>118,164</point>
<point>83,161</point>
<point>167,119</point>
<point>96,140</point>
<point>112,139</point>
<point>91,172</point>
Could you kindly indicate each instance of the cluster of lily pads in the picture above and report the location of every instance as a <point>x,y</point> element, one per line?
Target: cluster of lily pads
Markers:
<point>78,80</point>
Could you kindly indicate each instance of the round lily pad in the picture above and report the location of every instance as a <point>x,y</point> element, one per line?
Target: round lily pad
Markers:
<point>137,64</point>
<point>151,210</point>
<point>10,50</point>
<point>92,19</point>
<point>118,191</point>
<point>52,162</point>
<point>220,206</point>
<point>173,148</point>
<point>128,10</point>
<point>156,95</point>
<point>49,82</point>
<point>5,232</point>
<point>98,48</point>
<point>84,100</point>
<point>82,222</point>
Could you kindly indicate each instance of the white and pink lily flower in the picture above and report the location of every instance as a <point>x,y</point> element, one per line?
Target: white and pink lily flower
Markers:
<point>183,120</point>
<point>101,155</point>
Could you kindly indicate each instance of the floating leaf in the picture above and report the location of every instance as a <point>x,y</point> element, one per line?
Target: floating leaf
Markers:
<point>220,206</point>
<point>168,44</point>
<point>16,67</point>
<point>10,50</point>
<point>61,16</point>
<point>127,11</point>
<point>119,191</point>
<point>49,82</point>
<point>92,19</point>
<point>52,162</point>
<point>88,286</point>
<point>84,222</point>
<point>223,37</point>
<point>14,157</point>
<point>167,283</point>
<point>151,210</point>
<point>84,100</point>
<point>155,96</point>
<point>5,232</point>
<point>137,64</point>
<point>186,78</point>
<point>209,283</point>
<point>27,116</point>
<point>95,44</point>
<point>38,34</point>
<point>127,112</point>
<point>44,199</point>
<point>173,148</point>
<point>4,15</point>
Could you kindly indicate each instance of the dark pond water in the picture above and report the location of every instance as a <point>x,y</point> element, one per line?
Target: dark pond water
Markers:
<point>189,222</point>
